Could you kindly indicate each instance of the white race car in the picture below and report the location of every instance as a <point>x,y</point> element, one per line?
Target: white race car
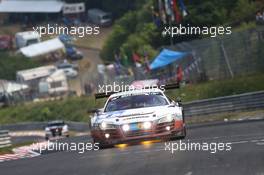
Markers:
<point>137,115</point>
<point>56,128</point>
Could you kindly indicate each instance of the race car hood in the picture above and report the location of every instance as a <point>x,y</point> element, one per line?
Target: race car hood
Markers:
<point>138,115</point>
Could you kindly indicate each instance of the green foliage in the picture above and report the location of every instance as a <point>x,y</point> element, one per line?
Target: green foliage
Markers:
<point>243,9</point>
<point>245,26</point>
<point>10,64</point>
<point>134,32</point>
<point>207,13</point>
<point>120,33</point>
<point>138,25</point>
<point>214,89</point>
<point>73,109</point>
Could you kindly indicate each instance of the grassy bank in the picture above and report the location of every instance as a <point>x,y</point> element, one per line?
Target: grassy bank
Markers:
<point>75,109</point>
<point>9,150</point>
<point>220,88</point>
<point>10,64</point>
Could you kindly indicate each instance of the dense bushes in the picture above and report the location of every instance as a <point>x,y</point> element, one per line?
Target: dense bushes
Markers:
<point>9,65</point>
<point>136,31</point>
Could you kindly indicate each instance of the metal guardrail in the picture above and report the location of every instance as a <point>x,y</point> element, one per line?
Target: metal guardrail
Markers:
<point>5,139</point>
<point>234,103</point>
<point>242,102</point>
<point>32,126</point>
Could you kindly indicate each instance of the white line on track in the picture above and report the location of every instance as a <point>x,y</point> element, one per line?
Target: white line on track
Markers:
<point>260,143</point>
<point>227,137</point>
<point>239,142</point>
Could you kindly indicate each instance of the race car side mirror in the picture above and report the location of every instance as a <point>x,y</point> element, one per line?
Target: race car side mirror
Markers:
<point>94,111</point>
<point>173,104</point>
<point>179,101</point>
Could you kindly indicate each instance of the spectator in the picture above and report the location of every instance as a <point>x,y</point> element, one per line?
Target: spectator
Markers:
<point>260,17</point>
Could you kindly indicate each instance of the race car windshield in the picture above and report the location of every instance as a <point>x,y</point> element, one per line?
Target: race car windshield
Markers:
<point>55,124</point>
<point>135,101</point>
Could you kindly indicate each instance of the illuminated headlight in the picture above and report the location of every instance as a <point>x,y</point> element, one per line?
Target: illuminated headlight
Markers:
<point>166,119</point>
<point>126,127</point>
<point>107,135</point>
<point>147,125</point>
<point>65,128</point>
<point>105,126</point>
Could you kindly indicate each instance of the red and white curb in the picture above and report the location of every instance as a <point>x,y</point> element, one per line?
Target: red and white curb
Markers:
<point>25,151</point>
<point>18,155</point>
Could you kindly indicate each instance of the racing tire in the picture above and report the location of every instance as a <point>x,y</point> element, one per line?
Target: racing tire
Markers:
<point>102,145</point>
<point>183,134</point>
<point>180,137</point>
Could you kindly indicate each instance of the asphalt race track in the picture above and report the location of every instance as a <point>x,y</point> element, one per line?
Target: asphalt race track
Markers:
<point>245,158</point>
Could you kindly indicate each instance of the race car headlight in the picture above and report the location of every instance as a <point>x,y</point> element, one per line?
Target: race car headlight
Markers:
<point>147,125</point>
<point>126,127</point>
<point>166,119</point>
<point>65,128</point>
<point>105,126</point>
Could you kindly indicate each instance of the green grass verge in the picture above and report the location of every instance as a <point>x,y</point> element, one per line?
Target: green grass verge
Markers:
<point>8,150</point>
<point>72,109</point>
<point>75,109</point>
<point>10,64</point>
<point>220,88</point>
<point>229,116</point>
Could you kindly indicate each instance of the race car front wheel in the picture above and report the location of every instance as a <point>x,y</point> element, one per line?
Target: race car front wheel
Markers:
<point>180,135</point>
<point>103,145</point>
<point>183,134</point>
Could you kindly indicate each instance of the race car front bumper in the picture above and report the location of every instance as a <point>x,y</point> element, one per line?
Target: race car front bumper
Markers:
<point>158,131</point>
<point>56,132</point>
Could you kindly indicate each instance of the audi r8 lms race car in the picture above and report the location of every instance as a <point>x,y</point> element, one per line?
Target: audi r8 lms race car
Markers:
<point>137,115</point>
<point>56,128</point>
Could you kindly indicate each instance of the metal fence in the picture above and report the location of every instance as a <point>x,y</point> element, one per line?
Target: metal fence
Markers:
<point>243,102</point>
<point>5,140</point>
<point>217,58</point>
<point>238,54</point>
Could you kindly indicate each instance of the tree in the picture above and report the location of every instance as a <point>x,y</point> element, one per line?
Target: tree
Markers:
<point>243,10</point>
<point>10,64</point>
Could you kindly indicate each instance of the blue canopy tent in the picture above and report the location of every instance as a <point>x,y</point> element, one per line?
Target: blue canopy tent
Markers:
<point>166,57</point>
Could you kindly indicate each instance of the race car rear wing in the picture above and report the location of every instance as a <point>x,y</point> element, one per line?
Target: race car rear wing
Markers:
<point>162,87</point>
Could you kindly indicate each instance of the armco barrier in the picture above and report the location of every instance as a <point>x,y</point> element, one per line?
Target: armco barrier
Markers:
<point>27,126</point>
<point>234,103</point>
<point>5,140</point>
<point>242,102</point>
<point>30,126</point>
